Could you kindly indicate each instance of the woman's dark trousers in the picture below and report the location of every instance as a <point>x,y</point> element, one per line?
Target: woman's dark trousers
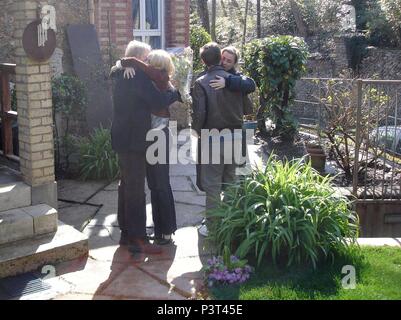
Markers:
<point>163,209</point>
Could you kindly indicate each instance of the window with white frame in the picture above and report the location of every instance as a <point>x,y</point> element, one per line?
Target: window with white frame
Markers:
<point>148,22</point>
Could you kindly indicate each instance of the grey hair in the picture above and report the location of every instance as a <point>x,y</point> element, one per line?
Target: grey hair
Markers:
<point>136,49</point>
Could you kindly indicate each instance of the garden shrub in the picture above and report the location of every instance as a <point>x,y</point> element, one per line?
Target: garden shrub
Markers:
<point>286,212</point>
<point>392,12</point>
<point>97,158</point>
<point>276,63</point>
<point>198,38</point>
<point>380,20</point>
<point>69,96</point>
<point>338,101</point>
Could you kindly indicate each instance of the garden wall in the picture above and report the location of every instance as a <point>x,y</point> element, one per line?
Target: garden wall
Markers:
<point>379,218</point>
<point>381,64</point>
<point>377,63</point>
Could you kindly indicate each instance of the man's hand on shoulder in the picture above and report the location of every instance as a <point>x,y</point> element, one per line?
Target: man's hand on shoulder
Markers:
<point>129,73</point>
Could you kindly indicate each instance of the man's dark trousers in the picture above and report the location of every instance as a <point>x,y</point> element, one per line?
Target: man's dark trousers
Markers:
<point>131,194</point>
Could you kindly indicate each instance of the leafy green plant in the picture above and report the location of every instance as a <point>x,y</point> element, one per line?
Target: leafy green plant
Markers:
<point>97,158</point>
<point>69,96</point>
<point>286,212</point>
<point>380,20</point>
<point>276,63</point>
<point>392,12</point>
<point>198,38</point>
<point>13,99</point>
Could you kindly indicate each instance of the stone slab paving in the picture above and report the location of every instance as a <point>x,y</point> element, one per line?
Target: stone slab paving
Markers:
<point>105,198</point>
<point>134,283</point>
<point>190,198</point>
<point>113,273</point>
<point>189,215</point>
<point>181,183</point>
<point>181,274</point>
<point>182,170</point>
<point>110,271</point>
<point>93,277</point>
<point>78,191</point>
<point>77,215</point>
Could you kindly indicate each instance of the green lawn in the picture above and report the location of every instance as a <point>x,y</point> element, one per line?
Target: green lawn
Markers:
<point>378,276</point>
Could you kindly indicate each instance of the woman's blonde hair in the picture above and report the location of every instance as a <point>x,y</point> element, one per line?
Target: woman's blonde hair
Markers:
<point>160,59</point>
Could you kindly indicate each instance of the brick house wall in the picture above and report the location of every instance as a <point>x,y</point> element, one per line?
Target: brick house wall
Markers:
<point>114,25</point>
<point>177,23</point>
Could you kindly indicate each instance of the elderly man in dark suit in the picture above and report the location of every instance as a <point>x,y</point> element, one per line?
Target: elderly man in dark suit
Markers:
<point>134,101</point>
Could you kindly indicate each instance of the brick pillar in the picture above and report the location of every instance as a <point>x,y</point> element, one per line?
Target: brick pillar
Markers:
<point>341,61</point>
<point>177,23</point>
<point>35,121</point>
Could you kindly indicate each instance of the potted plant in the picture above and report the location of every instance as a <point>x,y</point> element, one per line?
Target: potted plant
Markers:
<point>316,156</point>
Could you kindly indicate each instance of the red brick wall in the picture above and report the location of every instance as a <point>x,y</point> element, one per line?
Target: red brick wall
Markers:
<point>177,23</point>
<point>118,13</point>
<point>113,21</point>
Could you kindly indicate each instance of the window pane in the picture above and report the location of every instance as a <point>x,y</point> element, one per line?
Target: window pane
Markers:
<point>152,14</point>
<point>138,38</point>
<point>154,42</point>
<point>136,16</point>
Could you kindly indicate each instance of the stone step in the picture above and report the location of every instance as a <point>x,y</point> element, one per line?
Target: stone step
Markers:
<point>14,193</point>
<point>27,222</point>
<point>42,251</point>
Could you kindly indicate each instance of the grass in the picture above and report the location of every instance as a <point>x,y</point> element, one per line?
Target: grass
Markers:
<point>378,277</point>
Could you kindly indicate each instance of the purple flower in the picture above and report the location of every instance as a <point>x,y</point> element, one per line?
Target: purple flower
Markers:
<point>218,272</point>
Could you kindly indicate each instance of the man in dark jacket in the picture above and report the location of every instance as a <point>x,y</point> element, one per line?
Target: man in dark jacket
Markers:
<point>134,99</point>
<point>216,109</point>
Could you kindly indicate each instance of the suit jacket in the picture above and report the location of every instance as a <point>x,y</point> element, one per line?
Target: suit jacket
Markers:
<point>134,100</point>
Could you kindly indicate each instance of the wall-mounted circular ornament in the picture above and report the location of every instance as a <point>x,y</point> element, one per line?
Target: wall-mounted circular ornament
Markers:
<point>38,44</point>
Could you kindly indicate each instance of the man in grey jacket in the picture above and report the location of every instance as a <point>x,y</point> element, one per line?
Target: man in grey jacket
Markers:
<point>217,119</point>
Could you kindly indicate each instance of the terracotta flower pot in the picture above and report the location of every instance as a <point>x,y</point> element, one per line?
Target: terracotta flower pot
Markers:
<point>318,150</point>
<point>318,161</point>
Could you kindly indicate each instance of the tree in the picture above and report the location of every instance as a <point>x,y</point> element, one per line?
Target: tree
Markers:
<point>301,26</point>
<point>235,5</point>
<point>213,26</point>
<point>203,12</point>
<point>245,22</point>
<point>258,20</point>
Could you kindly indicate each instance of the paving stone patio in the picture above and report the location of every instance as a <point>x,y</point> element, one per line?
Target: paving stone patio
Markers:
<point>111,271</point>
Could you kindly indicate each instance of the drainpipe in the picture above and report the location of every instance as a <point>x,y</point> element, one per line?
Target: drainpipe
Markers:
<point>91,11</point>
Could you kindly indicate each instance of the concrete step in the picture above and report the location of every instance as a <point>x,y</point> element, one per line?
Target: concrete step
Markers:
<point>27,222</point>
<point>14,193</point>
<point>42,251</point>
